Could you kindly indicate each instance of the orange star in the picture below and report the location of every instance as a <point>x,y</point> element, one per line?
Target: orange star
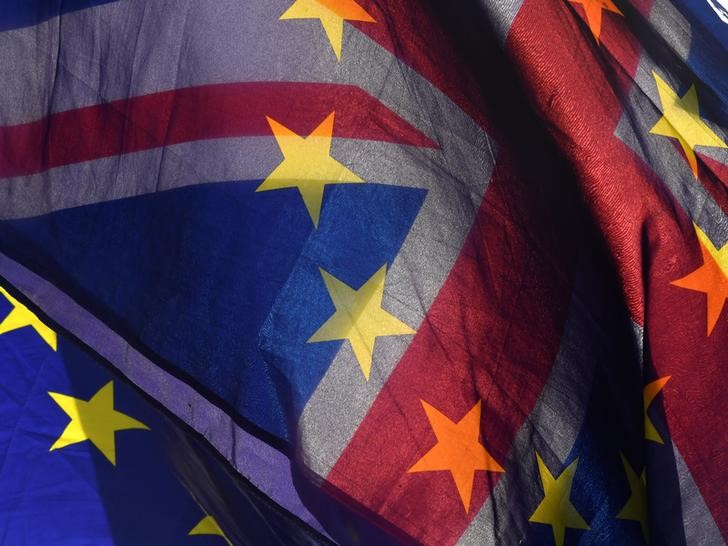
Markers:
<point>593,10</point>
<point>458,450</point>
<point>650,393</point>
<point>710,278</point>
<point>332,14</point>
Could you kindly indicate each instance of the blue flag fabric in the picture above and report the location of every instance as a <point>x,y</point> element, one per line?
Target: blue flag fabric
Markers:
<point>151,483</point>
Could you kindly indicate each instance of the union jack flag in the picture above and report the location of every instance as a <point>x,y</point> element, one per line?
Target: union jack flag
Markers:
<point>363,272</point>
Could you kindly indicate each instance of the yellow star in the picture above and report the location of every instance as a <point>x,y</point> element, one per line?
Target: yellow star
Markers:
<point>458,450</point>
<point>650,392</point>
<point>681,120</point>
<point>556,508</point>
<point>593,11</point>
<point>21,316</point>
<point>636,507</point>
<point>710,278</point>
<point>332,14</point>
<point>359,317</point>
<point>307,165</point>
<point>95,420</point>
<point>209,526</point>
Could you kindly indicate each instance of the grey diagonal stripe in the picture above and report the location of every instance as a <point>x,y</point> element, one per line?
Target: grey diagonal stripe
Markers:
<point>641,113</point>
<point>672,26</point>
<point>457,179</point>
<point>698,523</point>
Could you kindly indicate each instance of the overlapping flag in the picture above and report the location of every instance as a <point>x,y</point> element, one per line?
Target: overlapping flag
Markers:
<point>363,272</point>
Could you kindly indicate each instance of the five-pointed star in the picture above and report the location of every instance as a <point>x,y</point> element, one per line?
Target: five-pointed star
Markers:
<point>556,508</point>
<point>593,10</point>
<point>332,14</point>
<point>681,120</point>
<point>710,278</point>
<point>651,391</point>
<point>636,507</point>
<point>359,317</point>
<point>209,526</point>
<point>95,420</point>
<point>307,165</point>
<point>21,316</point>
<point>458,450</point>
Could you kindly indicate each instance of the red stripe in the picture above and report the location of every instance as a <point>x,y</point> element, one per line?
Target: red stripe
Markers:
<point>651,238</point>
<point>196,113</point>
<point>579,86</point>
